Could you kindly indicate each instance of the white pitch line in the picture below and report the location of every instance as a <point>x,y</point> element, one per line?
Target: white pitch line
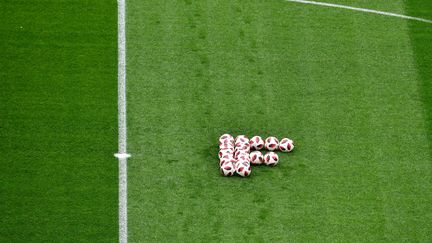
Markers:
<point>122,154</point>
<point>361,10</point>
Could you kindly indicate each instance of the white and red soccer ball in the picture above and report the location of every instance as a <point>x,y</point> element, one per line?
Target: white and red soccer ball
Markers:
<point>238,152</point>
<point>242,146</point>
<point>241,139</point>
<point>243,169</point>
<point>227,159</point>
<point>271,143</point>
<point>226,145</point>
<point>243,158</point>
<point>256,143</point>
<point>226,138</point>
<point>271,159</point>
<point>256,158</point>
<point>227,168</point>
<point>286,145</point>
<point>226,152</point>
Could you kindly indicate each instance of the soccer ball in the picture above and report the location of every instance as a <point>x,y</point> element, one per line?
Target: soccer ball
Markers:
<point>242,145</point>
<point>243,157</point>
<point>243,169</point>
<point>227,159</point>
<point>271,143</point>
<point>241,139</point>
<point>271,158</point>
<point>256,158</point>
<point>226,138</point>
<point>227,156</point>
<point>224,152</point>
<point>245,148</point>
<point>226,146</point>
<point>227,168</point>
<point>256,143</point>
<point>286,145</point>
<point>239,153</point>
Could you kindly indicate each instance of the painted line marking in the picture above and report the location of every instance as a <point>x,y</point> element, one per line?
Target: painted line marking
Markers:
<point>361,10</point>
<point>122,156</point>
<point>122,132</point>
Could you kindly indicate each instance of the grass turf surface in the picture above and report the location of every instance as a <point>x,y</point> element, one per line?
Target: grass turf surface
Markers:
<point>348,87</point>
<point>353,90</point>
<point>58,100</point>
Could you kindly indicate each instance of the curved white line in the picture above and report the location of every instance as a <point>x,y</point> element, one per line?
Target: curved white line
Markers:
<point>361,10</point>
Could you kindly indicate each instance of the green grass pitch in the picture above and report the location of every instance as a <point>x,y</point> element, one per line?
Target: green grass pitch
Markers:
<point>354,90</point>
<point>58,115</point>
